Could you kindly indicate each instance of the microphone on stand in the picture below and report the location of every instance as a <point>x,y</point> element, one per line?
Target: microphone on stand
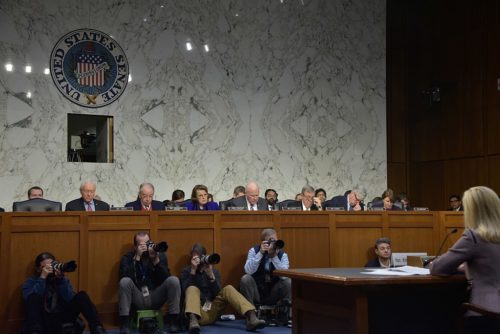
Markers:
<point>429,260</point>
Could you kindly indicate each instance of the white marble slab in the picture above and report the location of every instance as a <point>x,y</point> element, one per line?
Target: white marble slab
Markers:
<point>289,93</point>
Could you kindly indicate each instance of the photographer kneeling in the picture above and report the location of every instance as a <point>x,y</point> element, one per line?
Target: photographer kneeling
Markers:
<point>258,285</point>
<point>52,306</point>
<point>205,300</point>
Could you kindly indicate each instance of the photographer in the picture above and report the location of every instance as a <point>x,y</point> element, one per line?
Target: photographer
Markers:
<point>205,300</point>
<point>51,303</point>
<point>258,285</point>
<point>145,282</point>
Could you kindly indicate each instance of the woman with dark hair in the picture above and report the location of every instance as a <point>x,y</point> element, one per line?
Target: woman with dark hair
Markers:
<point>388,200</point>
<point>477,253</point>
<point>51,302</point>
<point>199,199</point>
<point>321,194</point>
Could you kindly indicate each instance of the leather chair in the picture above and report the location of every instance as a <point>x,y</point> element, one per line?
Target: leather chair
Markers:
<point>284,203</point>
<point>36,205</point>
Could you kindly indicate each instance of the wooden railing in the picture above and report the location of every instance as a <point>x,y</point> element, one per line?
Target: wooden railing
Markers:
<point>98,240</point>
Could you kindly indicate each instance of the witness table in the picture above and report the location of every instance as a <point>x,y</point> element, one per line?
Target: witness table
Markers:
<point>343,300</point>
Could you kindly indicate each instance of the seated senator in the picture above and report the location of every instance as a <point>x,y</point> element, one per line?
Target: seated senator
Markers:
<point>145,201</point>
<point>87,202</point>
<point>383,252</point>
<point>199,199</point>
<point>388,200</point>
<point>477,252</point>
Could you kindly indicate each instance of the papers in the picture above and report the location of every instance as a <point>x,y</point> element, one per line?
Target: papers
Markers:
<point>398,271</point>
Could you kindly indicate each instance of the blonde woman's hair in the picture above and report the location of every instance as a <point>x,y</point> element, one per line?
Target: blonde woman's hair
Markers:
<point>482,212</point>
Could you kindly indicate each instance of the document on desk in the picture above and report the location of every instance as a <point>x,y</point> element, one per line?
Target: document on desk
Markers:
<point>398,271</point>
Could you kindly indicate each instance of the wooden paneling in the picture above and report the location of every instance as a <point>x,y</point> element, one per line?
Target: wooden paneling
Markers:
<point>312,239</point>
<point>493,174</point>
<point>453,143</point>
<point>353,246</point>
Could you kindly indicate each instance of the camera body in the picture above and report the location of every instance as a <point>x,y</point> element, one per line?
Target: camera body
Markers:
<point>210,259</point>
<point>276,244</point>
<point>159,247</point>
<point>65,267</point>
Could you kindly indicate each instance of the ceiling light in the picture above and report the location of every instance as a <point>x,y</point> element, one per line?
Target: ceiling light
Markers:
<point>28,95</point>
<point>129,77</point>
<point>27,69</point>
<point>206,48</point>
<point>189,47</point>
<point>9,67</point>
<point>46,71</point>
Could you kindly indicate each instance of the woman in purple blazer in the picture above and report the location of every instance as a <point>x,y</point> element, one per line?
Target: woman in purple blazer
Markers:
<point>477,253</point>
<point>199,199</point>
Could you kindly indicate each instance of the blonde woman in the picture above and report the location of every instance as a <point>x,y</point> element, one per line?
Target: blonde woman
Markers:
<point>479,251</point>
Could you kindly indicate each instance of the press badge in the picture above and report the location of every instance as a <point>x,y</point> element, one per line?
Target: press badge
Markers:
<point>145,291</point>
<point>207,306</point>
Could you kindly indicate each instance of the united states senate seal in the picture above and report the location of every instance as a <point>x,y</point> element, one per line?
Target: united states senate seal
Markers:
<point>89,68</point>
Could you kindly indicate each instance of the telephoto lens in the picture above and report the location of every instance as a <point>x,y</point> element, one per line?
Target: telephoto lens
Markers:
<point>65,267</point>
<point>210,259</point>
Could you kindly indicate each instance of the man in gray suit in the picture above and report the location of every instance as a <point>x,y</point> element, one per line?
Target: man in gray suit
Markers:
<point>251,201</point>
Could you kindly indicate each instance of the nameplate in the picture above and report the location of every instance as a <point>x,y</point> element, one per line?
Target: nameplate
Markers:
<point>176,208</point>
<point>420,208</point>
<point>335,208</point>
<point>237,208</point>
<point>401,259</point>
<point>377,209</point>
<point>121,208</point>
<point>291,208</point>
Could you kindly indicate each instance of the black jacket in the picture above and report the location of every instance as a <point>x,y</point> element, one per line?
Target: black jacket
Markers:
<point>208,290</point>
<point>144,272</point>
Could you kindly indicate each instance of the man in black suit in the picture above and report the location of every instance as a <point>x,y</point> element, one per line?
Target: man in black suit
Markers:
<point>251,201</point>
<point>308,202</point>
<point>35,192</point>
<point>455,203</point>
<point>87,202</point>
<point>351,201</point>
<point>145,200</point>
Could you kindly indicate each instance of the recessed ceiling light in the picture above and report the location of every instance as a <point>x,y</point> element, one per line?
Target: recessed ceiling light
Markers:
<point>46,71</point>
<point>206,48</point>
<point>28,95</point>
<point>189,47</point>
<point>9,67</point>
<point>28,69</point>
<point>129,77</point>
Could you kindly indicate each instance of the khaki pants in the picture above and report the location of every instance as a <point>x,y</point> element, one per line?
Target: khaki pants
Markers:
<point>227,295</point>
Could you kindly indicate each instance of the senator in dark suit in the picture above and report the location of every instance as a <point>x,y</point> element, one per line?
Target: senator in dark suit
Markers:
<point>309,202</point>
<point>145,200</point>
<point>251,200</point>
<point>352,201</point>
<point>87,202</point>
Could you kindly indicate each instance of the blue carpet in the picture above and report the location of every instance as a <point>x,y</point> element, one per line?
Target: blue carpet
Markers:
<point>228,327</point>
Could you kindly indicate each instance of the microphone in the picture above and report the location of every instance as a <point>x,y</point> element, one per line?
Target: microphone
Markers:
<point>429,260</point>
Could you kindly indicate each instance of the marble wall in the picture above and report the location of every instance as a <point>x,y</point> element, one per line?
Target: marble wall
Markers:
<point>290,92</point>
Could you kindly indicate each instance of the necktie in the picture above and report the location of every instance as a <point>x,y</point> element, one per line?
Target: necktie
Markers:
<point>89,207</point>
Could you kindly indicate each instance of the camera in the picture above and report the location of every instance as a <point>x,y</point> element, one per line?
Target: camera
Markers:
<point>210,259</point>
<point>159,247</point>
<point>276,244</point>
<point>65,267</point>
